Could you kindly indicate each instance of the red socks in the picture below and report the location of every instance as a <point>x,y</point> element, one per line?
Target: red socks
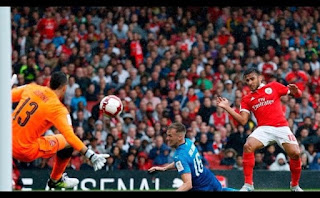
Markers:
<point>295,168</point>
<point>248,164</point>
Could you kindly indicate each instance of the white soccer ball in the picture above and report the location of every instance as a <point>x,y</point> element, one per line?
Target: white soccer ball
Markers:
<point>111,106</point>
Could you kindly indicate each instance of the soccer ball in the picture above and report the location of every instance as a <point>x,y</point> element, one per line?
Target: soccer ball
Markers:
<point>111,106</point>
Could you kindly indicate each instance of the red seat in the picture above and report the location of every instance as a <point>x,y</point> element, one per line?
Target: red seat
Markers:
<point>76,162</point>
<point>222,167</point>
<point>213,159</point>
<point>90,104</point>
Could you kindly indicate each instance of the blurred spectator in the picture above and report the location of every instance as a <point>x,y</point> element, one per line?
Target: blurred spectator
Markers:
<point>122,143</point>
<point>259,163</point>
<point>80,121</point>
<point>219,118</point>
<point>191,134</point>
<point>267,67</point>
<point>239,163</point>
<point>58,39</point>
<point>143,162</point>
<point>229,157</point>
<point>91,124</point>
<point>163,158</point>
<point>154,81</point>
<point>146,145</point>
<point>206,110</point>
<point>204,146</point>
<point>46,75</point>
<point>267,42</point>
<point>109,143</point>
<point>135,45</point>
<point>81,107</point>
<point>183,81</point>
<point>280,163</point>
<point>109,166</point>
<point>90,93</point>
<point>158,148</point>
<point>315,164</point>
<point>29,71</point>
<point>82,77</point>
<point>229,92</point>
<point>304,161</point>
<point>131,135</point>
<point>297,76</point>
<point>203,82</point>
<point>47,26</point>
<point>311,152</point>
<point>101,77</point>
<point>185,115</point>
<point>134,77</point>
<point>128,122</point>
<point>306,110</point>
<point>94,144</point>
<point>129,163</point>
<point>204,129</point>
<point>217,144</point>
<point>137,144</point>
<point>270,155</point>
<point>307,124</point>
<point>24,42</point>
<point>118,156</point>
<point>65,48</point>
<point>78,97</point>
<point>237,139</point>
<point>51,60</point>
<point>149,97</point>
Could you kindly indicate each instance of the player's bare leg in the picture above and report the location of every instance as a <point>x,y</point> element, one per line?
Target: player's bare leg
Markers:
<point>293,151</point>
<point>251,145</point>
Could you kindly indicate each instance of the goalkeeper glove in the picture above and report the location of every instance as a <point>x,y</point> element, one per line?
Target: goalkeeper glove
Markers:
<point>97,160</point>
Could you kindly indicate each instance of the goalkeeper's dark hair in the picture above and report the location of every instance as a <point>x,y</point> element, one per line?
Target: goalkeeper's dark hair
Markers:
<point>179,127</point>
<point>251,70</point>
<point>58,79</point>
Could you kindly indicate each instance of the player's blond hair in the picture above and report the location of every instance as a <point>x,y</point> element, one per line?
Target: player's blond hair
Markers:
<point>179,127</point>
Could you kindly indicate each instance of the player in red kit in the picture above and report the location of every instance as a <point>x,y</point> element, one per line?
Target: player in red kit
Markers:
<point>264,102</point>
<point>47,26</point>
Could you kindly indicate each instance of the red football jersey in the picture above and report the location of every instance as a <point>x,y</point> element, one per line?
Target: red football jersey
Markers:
<point>265,104</point>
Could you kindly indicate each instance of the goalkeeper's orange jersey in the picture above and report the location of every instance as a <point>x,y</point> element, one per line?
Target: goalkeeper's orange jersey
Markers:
<point>39,109</point>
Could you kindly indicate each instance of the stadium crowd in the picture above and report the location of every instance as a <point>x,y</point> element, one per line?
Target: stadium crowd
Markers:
<point>169,64</point>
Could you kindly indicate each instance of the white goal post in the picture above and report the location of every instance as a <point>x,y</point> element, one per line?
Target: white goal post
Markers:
<point>5,95</point>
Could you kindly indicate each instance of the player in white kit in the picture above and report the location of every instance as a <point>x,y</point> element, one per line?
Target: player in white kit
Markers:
<point>264,102</point>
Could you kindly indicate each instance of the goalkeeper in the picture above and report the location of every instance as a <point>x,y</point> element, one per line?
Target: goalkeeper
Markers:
<point>40,108</point>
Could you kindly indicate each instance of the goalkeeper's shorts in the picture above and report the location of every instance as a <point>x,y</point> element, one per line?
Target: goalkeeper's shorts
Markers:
<point>44,147</point>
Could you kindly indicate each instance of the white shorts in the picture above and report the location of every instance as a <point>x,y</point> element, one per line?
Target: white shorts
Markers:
<point>269,134</point>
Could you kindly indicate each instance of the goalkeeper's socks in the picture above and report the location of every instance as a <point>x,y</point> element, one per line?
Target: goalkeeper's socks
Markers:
<point>59,167</point>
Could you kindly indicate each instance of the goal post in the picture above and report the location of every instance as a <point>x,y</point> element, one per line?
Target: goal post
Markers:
<point>5,87</point>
